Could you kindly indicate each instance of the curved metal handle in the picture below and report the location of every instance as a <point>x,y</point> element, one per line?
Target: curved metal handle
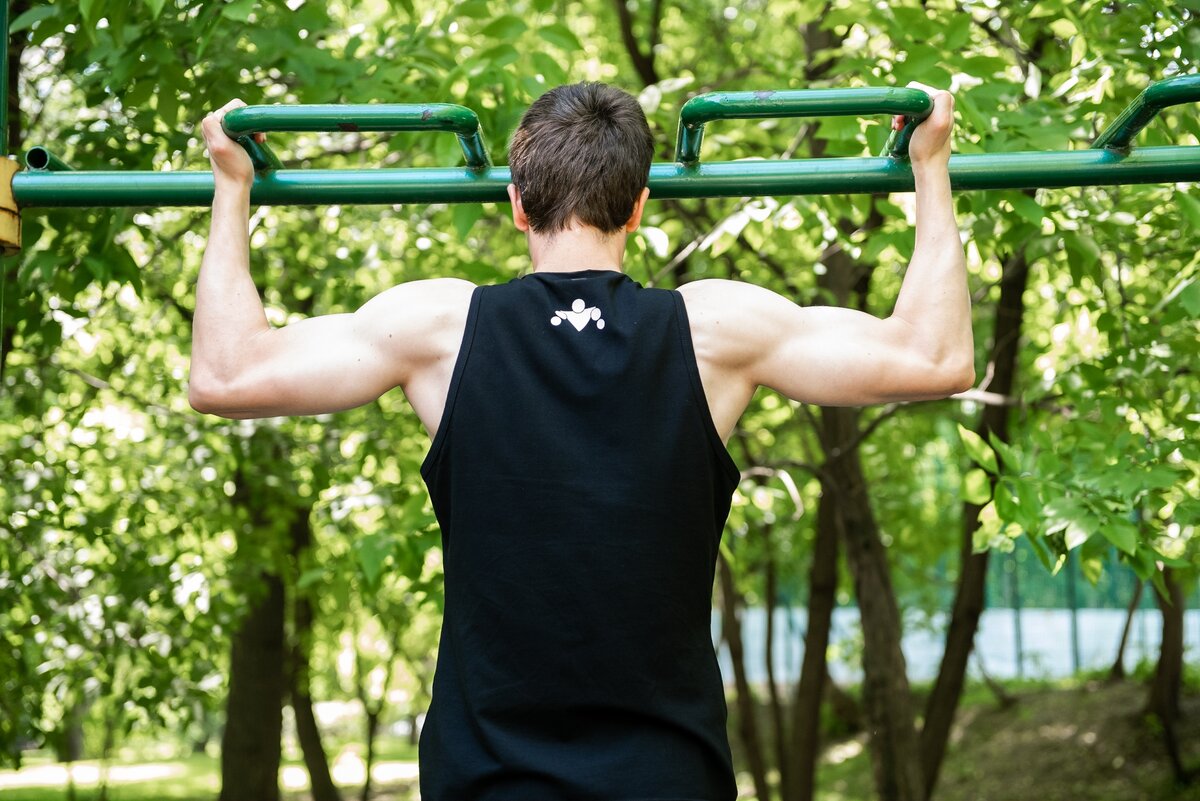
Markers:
<point>914,104</point>
<point>1138,114</point>
<point>243,122</point>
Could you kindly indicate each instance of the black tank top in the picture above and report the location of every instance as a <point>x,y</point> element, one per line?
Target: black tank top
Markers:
<point>581,490</point>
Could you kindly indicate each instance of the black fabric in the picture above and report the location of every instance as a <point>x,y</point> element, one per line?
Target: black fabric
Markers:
<point>581,490</point>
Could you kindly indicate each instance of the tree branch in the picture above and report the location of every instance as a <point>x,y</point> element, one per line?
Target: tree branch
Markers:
<point>643,63</point>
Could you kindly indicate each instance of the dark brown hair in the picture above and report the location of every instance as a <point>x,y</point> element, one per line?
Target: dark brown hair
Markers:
<point>582,152</point>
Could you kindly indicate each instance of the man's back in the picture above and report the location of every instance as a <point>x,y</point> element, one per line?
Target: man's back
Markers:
<point>581,491</point>
<point>577,467</point>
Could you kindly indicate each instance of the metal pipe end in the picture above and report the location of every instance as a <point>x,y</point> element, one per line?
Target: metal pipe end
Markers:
<point>40,158</point>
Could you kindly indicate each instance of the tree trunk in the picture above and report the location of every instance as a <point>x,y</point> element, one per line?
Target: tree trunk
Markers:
<point>1163,702</point>
<point>414,735</point>
<point>843,706</point>
<point>1117,671</point>
<point>250,744</point>
<point>747,722</point>
<point>806,708</point>
<point>942,704</point>
<point>372,730</point>
<point>771,594</point>
<point>307,731</point>
<point>887,699</point>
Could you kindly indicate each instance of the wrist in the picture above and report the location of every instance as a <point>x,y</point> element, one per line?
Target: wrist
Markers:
<point>227,185</point>
<point>930,170</point>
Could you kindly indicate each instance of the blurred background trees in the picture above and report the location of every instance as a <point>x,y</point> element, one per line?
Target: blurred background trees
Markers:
<point>171,576</point>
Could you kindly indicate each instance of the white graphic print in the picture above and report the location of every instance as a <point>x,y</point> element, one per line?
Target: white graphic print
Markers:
<point>579,316</point>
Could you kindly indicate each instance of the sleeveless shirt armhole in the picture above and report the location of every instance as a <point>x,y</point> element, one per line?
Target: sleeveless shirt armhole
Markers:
<point>460,364</point>
<point>693,371</point>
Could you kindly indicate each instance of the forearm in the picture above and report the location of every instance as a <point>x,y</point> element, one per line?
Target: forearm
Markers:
<point>228,309</point>
<point>933,299</point>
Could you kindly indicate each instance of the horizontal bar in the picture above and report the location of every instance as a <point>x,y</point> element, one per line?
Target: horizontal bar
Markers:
<point>1138,114</point>
<point>914,104</point>
<point>40,158</point>
<point>1023,170</point>
<point>459,120</point>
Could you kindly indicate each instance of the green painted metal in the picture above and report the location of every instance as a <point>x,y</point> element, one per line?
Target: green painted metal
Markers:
<point>1157,96</point>
<point>241,123</point>
<point>4,77</point>
<point>914,104</point>
<point>40,158</point>
<point>779,177</point>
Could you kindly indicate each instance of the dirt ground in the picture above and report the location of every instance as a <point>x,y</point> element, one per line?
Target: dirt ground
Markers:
<point>1087,744</point>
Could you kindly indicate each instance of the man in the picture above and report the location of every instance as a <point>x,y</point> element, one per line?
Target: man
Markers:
<point>578,466</point>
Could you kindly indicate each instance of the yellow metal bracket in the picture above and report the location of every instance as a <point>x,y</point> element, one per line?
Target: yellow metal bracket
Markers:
<point>10,216</point>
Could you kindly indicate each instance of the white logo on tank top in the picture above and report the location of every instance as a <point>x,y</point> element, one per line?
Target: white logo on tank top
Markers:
<point>579,315</point>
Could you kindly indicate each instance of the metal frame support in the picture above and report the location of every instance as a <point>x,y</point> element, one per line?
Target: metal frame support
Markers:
<point>1170,92</point>
<point>10,214</point>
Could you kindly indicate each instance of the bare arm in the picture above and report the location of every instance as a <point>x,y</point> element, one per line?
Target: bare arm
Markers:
<point>241,367</point>
<point>747,336</point>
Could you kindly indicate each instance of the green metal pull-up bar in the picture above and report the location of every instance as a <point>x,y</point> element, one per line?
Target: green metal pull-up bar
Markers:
<point>1110,162</point>
<point>242,123</point>
<point>914,104</point>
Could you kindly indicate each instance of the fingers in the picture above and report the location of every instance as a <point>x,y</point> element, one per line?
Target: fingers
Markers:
<point>211,126</point>
<point>943,101</point>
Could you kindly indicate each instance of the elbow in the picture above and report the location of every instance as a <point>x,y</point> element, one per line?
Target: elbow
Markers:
<point>963,379</point>
<point>208,395</point>
<point>203,395</point>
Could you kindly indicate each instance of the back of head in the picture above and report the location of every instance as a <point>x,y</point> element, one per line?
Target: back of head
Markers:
<point>582,153</point>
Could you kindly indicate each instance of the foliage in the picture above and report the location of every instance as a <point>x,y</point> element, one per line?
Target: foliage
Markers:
<point>120,572</point>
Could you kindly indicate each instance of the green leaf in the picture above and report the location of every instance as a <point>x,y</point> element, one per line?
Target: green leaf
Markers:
<point>476,9</point>
<point>976,487</point>
<point>1189,205</point>
<point>549,67</point>
<point>979,451</point>
<point>155,7</point>
<point>1027,208</point>
<point>373,551</point>
<point>310,577</point>
<point>91,11</point>
<point>560,36</point>
<point>1008,456</point>
<point>31,17</point>
<point>499,56</point>
<point>506,27</point>
<point>1121,533</point>
<point>1042,552</point>
<point>1190,298</point>
<point>465,217</point>
<point>1078,49</point>
<point>1083,254</point>
<point>238,10</point>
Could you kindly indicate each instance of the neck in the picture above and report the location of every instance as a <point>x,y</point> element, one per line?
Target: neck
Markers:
<point>579,247</point>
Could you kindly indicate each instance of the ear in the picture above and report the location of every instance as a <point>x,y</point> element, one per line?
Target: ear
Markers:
<point>518,210</point>
<point>639,206</point>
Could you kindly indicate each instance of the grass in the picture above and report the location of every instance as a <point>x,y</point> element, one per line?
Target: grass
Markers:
<point>1058,742</point>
